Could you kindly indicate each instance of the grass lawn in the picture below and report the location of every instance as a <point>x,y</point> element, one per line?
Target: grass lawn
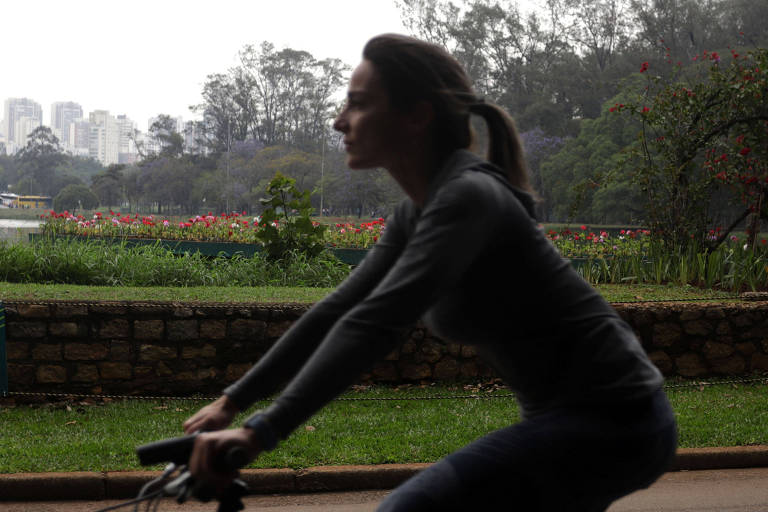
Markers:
<point>80,436</point>
<point>25,291</point>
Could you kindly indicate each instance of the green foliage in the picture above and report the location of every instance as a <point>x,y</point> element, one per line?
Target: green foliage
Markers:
<point>687,120</point>
<point>106,264</point>
<point>75,197</point>
<point>286,222</point>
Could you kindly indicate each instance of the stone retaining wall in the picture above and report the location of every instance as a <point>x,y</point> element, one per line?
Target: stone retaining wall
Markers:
<point>172,348</point>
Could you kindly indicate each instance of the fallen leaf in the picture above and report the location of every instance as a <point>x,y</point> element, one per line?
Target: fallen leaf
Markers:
<point>309,428</point>
<point>70,422</point>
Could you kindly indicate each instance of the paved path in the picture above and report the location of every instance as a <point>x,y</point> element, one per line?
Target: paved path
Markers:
<point>733,490</point>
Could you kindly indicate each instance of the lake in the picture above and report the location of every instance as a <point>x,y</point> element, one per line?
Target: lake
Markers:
<point>15,231</point>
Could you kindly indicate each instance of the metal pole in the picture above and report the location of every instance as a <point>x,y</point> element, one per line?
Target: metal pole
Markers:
<point>3,359</point>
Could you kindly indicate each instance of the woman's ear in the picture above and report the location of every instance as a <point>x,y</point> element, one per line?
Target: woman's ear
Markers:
<point>420,117</point>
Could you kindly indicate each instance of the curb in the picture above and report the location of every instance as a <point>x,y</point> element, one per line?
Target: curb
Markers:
<point>126,484</point>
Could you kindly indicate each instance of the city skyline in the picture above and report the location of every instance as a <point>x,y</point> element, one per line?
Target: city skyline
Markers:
<point>159,53</point>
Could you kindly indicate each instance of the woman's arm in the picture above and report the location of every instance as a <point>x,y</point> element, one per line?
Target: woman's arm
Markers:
<point>449,235</point>
<point>293,349</point>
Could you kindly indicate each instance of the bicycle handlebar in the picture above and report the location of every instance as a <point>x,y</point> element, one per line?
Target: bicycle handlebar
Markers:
<point>178,450</point>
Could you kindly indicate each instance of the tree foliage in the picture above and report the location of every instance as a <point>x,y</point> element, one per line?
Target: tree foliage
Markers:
<point>703,127</point>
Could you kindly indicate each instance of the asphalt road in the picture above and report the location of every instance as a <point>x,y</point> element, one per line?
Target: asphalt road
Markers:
<point>735,490</point>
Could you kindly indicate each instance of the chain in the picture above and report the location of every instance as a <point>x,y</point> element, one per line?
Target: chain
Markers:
<point>218,305</point>
<point>695,384</point>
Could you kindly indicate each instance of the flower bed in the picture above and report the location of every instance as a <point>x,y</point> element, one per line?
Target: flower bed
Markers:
<point>235,227</point>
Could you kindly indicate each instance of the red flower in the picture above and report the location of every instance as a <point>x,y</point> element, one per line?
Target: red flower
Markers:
<point>745,151</point>
<point>644,67</point>
<point>583,227</point>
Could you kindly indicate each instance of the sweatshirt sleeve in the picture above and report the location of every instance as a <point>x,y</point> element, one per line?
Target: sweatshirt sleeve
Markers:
<point>451,232</point>
<point>291,351</point>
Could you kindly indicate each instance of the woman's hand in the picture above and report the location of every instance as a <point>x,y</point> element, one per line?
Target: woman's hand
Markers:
<point>207,464</point>
<point>214,416</point>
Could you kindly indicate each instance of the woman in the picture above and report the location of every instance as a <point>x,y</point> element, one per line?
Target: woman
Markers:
<point>464,252</point>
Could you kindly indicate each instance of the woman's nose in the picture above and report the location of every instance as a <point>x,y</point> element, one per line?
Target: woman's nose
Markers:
<point>339,124</point>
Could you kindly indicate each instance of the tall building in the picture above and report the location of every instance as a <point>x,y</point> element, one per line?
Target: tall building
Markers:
<point>21,116</point>
<point>79,137</point>
<point>103,142</point>
<point>126,147</point>
<point>63,113</point>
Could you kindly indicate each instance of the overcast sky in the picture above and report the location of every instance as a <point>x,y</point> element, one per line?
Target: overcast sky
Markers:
<point>146,57</point>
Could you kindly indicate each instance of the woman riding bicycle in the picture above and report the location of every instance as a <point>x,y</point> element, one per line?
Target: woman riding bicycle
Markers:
<point>464,253</point>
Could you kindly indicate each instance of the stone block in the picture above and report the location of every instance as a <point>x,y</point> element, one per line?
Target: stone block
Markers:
<point>182,330</point>
<point>690,365</point>
<point>469,369</point>
<point>666,334</point>
<point>244,329</point>
<point>690,314</point>
<point>69,311</point>
<point>206,351</point>
<point>733,365</point>
<point>385,371</point>
<point>115,328</point>
<point>16,350</point>
<point>162,370</point>
<point>85,351</point>
<point>416,371</point>
<point>447,369</point>
<point>663,362</point>
<point>157,353</point>
<point>746,348</point>
<point>26,330</point>
<point>714,350</point>
<point>47,352</point>
<point>148,330</point>
<point>20,374</point>
<point>277,329</point>
<point>454,349</point>
<point>468,351</point>
<point>115,371</point>
<point>120,351</point>
<point>742,320</point>
<point>51,374</point>
<point>430,352</point>
<point>183,312</point>
<point>697,328</point>
<point>86,373</point>
<point>235,371</point>
<point>715,313</point>
<point>723,329</point>
<point>213,329</point>
<point>65,329</point>
<point>759,362</point>
<point>409,347</point>
<point>33,311</point>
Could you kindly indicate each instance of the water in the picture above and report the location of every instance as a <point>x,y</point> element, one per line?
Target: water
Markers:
<point>17,231</point>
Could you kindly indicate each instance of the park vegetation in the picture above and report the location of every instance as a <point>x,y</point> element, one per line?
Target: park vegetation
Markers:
<point>642,112</point>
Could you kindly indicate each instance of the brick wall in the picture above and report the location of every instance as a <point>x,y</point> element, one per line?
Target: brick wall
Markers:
<point>172,348</point>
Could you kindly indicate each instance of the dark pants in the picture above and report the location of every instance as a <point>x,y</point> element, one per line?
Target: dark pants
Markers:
<point>575,459</point>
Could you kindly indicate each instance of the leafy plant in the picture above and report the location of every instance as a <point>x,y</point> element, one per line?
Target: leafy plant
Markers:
<point>286,223</point>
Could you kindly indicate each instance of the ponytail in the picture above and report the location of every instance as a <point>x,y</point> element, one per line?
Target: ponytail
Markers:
<point>505,150</point>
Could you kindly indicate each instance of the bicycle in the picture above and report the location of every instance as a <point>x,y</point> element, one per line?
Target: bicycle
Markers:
<point>176,452</point>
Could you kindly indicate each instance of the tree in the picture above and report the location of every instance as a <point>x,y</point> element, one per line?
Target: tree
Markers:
<point>164,132</point>
<point>107,185</point>
<point>39,159</point>
<point>699,129</point>
<point>74,197</point>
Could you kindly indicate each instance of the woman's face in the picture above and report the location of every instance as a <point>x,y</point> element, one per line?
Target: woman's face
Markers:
<point>371,127</point>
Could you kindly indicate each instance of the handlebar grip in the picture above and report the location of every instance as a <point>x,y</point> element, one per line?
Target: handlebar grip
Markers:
<point>235,458</point>
<point>179,449</point>
<point>175,449</point>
